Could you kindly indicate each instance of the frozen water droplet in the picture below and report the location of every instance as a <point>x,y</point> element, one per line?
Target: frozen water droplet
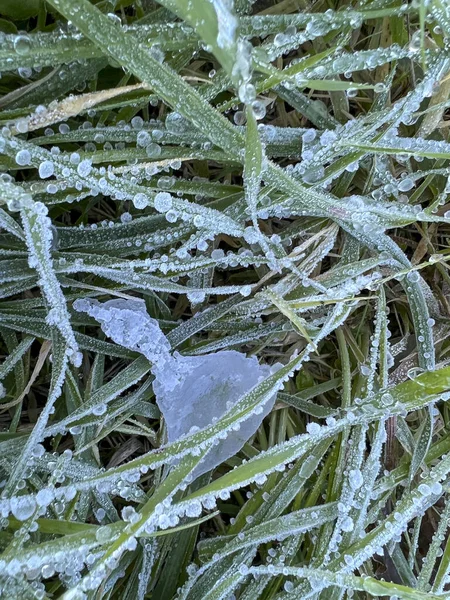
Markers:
<point>140,200</point>
<point>100,409</point>
<point>239,117</point>
<point>23,507</point>
<point>217,254</point>
<point>22,124</point>
<point>23,157</point>
<point>356,479</point>
<point>163,202</point>
<point>379,87</point>
<point>313,428</point>
<point>153,150</point>
<point>288,586</point>
<point>46,169</point>
<point>259,109</point>
<point>424,489</point>
<point>172,216</point>
<point>406,184</point>
<point>413,276</point>
<point>143,138</point>
<point>22,44</point>
<point>309,136</point>
<point>436,488</point>
<point>247,93</point>
<point>84,168</point>
<point>45,497</point>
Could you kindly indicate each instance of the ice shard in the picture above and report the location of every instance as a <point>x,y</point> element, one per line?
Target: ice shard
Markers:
<point>192,392</point>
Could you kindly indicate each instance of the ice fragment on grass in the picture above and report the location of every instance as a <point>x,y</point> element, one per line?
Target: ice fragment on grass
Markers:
<point>192,392</point>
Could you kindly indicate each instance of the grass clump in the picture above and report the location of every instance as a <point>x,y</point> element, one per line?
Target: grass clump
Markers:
<point>269,177</point>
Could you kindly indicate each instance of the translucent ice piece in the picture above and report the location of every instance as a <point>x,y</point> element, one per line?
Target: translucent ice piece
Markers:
<point>208,386</point>
<point>192,392</point>
<point>128,324</point>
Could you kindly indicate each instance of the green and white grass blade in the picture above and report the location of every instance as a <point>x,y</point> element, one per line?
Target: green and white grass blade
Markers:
<point>370,585</point>
<point>60,364</point>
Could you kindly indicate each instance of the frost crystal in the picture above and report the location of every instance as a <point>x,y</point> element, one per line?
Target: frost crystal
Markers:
<point>46,169</point>
<point>192,392</point>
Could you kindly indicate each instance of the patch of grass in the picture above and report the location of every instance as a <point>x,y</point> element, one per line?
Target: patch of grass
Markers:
<point>269,177</point>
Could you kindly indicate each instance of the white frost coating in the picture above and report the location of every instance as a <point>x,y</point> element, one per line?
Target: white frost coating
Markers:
<point>39,238</point>
<point>226,23</point>
<point>192,392</point>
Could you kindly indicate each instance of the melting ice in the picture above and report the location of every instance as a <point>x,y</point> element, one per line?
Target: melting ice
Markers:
<point>192,392</point>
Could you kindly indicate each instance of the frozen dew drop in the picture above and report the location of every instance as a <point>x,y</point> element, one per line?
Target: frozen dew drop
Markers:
<point>23,507</point>
<point>199,220</point>
<point>52,188</point>
<point>406,184</point>
<point>415,42</point>
<point>352,92</point>
<point>436,488</point>
<point>217,254</point>
<point>38,451</point>
<point>103,535</point>
<point>239,117</point>
<point>194,509</point>
<point>166,182</point>
<point>424,489</point>
<point>379,87</point>
<point>22,44</point>
<point>100,514</point>
<point>129,514</point>
<point>153,150</point>
<point>140,200</point>
<point>356,479</point>
<point>176,123</point>
<point>309,136</point>
<point>196,296</point>
<point>347,524</point>
<point>313,428</point>
<point>46,169</point>
<point>100,409</point>
<point>259,109</point>
<point>137,122</point>
<point>413,276</point>
<point>84,168</point>
<point>247,93</point>
<point>163,202</point>
<point>23,157</point>
<point>171,216</point>
<point>280,40</point>
<point>22,125</point>
<point>327,138</point>
<point>74,158</point>
<point>44,497</point>
<point>387,399</point>
<point>143,138</point>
